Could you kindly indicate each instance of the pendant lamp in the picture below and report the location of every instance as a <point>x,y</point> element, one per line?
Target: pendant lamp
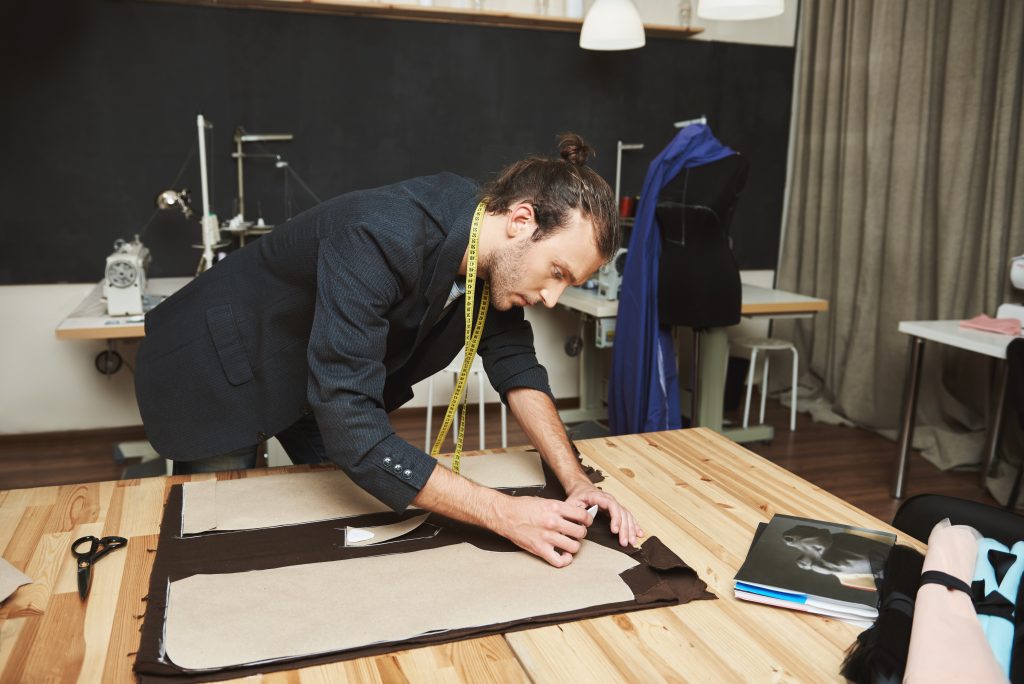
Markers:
<point>612,25</point>
<point>739,10</point>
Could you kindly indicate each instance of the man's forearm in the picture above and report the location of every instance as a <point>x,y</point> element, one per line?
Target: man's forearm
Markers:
<point>460,499</point>
<point>539,419</point>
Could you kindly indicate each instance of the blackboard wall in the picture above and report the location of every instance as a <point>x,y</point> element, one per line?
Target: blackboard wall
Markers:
<point>101,96</point>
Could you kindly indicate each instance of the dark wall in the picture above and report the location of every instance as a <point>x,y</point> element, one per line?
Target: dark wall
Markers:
<point>101,97</point>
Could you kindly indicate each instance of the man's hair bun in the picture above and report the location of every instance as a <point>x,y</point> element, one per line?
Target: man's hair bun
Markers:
<point>572,148</point>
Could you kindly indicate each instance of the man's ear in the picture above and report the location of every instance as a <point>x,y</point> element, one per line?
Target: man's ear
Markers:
<point>522,220</point>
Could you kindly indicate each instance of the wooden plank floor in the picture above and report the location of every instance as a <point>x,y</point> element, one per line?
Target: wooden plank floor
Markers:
<point>854,464</point>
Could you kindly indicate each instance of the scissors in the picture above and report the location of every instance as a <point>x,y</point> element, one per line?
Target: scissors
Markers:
<point>98,548</point>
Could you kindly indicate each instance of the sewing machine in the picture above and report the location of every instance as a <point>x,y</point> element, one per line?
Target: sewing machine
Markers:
<point>1010,310</point>
<point>125,278</point>
<point>609,276</point>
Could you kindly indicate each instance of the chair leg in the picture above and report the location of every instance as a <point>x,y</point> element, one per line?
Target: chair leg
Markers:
<point>504,424</point>
<point>764,385</point>
<point>750,387</point>
<point>792,408</point>
<point>480,392</point>
<point>430,412</point>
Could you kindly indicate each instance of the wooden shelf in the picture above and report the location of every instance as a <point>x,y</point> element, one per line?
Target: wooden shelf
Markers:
<point>444,15</point>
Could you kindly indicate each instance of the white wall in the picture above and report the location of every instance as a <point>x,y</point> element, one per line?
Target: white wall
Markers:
<point>49,384</point>
<point>52,385</point>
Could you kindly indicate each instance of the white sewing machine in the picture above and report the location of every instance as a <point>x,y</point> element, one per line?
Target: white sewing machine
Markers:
<point>609,276</point>
<point>1009,310</point>
<point>124,281</point>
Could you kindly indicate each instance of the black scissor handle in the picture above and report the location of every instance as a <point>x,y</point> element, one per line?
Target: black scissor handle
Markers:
<point>97,547</point>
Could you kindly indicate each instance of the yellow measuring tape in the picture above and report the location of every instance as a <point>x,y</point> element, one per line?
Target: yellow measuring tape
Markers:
<point>472,342</point>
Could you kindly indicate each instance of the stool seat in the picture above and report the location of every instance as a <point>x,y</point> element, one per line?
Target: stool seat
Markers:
<point>768,343</point>
<point>764,345</point>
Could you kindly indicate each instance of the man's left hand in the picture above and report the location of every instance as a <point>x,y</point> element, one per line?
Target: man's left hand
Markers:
<point>623,523</point>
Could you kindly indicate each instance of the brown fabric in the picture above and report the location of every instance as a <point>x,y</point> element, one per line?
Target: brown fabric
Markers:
<point>904,203</point>
<point>668,581</point>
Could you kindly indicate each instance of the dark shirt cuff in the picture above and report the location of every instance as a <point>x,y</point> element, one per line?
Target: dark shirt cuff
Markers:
<point>394,471</point>
<point>534,378</point>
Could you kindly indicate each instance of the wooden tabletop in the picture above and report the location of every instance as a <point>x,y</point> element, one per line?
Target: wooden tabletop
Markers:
<point>755,301</point>
<point>700,493</point>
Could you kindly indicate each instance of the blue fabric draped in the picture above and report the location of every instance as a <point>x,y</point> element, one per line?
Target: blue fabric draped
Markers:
<point>643,392</point>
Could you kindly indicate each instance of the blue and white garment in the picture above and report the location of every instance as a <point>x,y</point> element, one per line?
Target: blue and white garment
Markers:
<point>997,576</point>
<point>643,393</point>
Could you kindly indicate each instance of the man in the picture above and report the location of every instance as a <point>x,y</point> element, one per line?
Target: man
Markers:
<point>316,331</point>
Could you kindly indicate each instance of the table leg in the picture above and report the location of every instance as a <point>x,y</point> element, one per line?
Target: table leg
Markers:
<point>915,357</point>
<point>712,363</point>
<point>995,426</point>
<point>591,380</point>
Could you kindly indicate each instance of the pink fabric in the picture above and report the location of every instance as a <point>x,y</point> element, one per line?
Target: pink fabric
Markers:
<point>1004,326</point>
<point>947,643</point>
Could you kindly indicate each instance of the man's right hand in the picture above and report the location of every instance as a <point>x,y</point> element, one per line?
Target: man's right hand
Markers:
<point>547,528</point>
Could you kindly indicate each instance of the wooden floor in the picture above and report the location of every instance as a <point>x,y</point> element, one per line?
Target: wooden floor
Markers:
<point>853,464</point>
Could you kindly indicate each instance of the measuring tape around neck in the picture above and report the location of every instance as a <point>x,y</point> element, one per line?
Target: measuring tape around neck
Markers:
<point>472,342</point>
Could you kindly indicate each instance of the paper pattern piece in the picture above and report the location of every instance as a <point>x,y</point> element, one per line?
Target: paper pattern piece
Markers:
<point>508,470</point>
<point>367,536</point>
<point>295,498</point>
<point>213,621</point>
<point>273,501</point>
<point>10,579</point>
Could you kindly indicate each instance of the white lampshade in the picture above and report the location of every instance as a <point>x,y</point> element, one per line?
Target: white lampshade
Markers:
<point>739,10</point>
<point>612,25</point>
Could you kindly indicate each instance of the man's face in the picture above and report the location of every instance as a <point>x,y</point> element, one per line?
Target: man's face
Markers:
<point>524,272</point>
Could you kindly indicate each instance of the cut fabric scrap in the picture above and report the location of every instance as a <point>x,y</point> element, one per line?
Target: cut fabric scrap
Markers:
<point>946,642</point>
<point>365,536</point>
<point>1003,326</point>
<point>10,579</point>
<point>213,623</point>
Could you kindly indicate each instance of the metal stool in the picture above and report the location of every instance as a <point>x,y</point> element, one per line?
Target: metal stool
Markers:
<point>767,344</point>
<point>476,369</point>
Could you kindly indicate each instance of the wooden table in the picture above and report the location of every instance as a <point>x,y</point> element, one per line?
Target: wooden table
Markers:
<point>700,493</point>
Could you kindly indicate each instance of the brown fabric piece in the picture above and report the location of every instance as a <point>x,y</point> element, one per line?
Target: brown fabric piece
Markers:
<point>179,557</point>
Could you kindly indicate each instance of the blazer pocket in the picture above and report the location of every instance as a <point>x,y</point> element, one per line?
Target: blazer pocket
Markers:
<point>228,342</point>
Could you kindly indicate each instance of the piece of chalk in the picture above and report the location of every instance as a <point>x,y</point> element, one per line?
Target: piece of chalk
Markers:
<point>592,511</point>
<point>357,534</point>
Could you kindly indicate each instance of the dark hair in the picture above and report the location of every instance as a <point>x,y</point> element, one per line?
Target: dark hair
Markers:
<point>556,186</point>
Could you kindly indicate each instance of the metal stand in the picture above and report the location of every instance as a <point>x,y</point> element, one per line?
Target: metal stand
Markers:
<point>915,358</point>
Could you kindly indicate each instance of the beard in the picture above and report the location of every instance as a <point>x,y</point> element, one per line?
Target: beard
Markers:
<point>504,273</point>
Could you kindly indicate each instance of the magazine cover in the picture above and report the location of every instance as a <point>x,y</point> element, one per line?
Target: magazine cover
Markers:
<point>817,563</point>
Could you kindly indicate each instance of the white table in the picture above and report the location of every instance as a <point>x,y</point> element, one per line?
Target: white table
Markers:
<point>712,350</point>
<point>951,334</point>
<point>89,320</point>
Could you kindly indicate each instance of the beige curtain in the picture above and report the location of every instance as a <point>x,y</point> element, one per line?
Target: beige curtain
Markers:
<point>906,201</point>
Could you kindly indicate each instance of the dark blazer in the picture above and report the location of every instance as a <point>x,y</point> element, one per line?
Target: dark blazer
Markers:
<point>337,312</point>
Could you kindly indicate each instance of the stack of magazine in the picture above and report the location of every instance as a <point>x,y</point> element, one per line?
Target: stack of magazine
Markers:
<point>815,566</point>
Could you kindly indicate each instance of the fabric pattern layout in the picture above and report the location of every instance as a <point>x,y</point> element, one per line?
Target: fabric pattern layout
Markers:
<point>222,606</point>
<point>212,621</point>
<point>292,499</point>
